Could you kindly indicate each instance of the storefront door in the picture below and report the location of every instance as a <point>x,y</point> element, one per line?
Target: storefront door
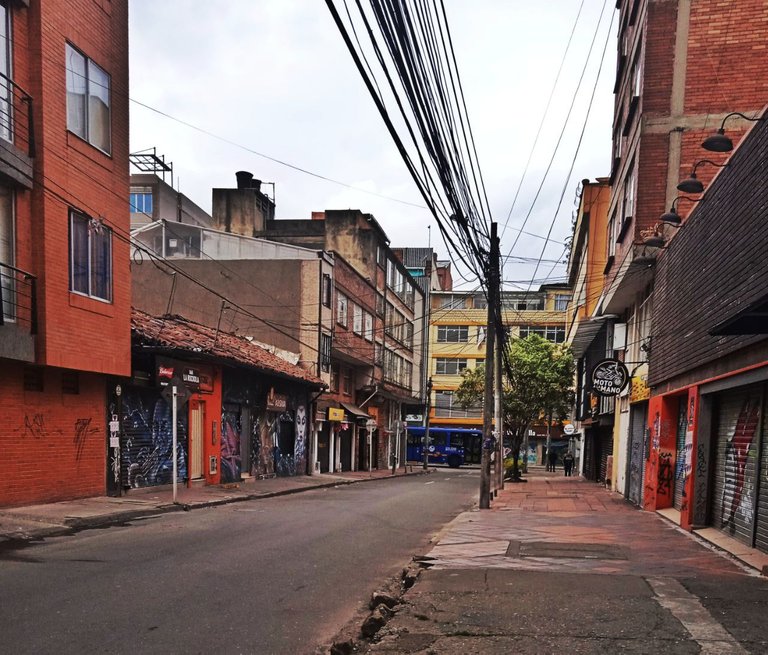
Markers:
<point>196,418</point>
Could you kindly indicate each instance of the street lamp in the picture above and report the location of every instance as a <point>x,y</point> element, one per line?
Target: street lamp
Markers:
<point>718,142</point>
<point>692,184</point>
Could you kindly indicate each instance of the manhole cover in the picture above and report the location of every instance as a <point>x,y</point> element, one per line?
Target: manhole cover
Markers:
<point>566,550</point>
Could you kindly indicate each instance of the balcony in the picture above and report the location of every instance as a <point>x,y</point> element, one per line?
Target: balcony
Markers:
<point>18,316</point>
<point>17,138</point>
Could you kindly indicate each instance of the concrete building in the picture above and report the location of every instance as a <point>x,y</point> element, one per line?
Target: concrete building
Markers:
<point>458,324</point>
<point>65,328</point>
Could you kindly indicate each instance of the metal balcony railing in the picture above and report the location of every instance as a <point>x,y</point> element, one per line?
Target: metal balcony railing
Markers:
<point>16,118</point>
<point>18,297</point>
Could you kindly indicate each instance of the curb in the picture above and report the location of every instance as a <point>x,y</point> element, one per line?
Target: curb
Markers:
<point>78,524</point>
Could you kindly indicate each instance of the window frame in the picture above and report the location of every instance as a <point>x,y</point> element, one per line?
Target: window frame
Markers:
<point>445,329</point>
<point>456,362</point>
<point>327,290</point>
<point>70,48</point>
<point>89,224</point>
<point>342,310</point>
<point>357,319</point>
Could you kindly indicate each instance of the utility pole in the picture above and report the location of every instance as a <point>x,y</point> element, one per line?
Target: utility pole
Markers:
<point>498,406</point>
<point>493,303</point>
<point>425,445</point>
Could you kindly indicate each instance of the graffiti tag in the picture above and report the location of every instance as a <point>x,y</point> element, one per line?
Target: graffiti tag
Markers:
<point>35,426</point>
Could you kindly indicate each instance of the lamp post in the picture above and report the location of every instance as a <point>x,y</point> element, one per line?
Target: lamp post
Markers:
<point>718,142</point>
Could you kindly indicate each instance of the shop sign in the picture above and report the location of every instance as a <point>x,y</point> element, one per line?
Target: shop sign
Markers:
<point>609,377</point>
<point>276,402</point>
<point>640,389</point>
<point>335,414</point>
<point>196,378</point>
<point>569,429</point>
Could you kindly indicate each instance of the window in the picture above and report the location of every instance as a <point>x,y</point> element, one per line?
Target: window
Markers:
<point>325,352</point>
<point>446,406</point>
<point>553,333</point>
<point>88,103</point>
<point>7,253</point>
<point>479,362</point>
<point>33,378</point>
<point>141,201</point>
<point>449,365</point>
<point>346,381</point>
<point>452,302</point>
<point>6,94</point>
<point>326,290</point>
<point>628,202</point>
<point>525,303</point>
<point>341,309</point>
<point>335,378</point>
<point>368,327</point>
<point>357,319</point>
<point>90,257</point>
<point>70,382</point>
<point>452,333</point>
<point>561,302</point>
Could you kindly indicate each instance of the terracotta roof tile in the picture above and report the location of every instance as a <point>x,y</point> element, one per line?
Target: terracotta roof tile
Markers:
<point>177,332</point>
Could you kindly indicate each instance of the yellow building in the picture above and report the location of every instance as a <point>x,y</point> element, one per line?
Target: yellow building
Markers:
<point>457,330</point>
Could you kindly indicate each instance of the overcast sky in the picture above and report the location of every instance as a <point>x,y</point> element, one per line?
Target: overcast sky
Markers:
<point>274,76</point>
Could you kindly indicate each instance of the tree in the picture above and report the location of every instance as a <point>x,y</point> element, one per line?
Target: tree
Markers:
<point>538,382</point>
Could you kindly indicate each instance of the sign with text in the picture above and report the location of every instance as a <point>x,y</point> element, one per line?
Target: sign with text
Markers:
<point>276,402</point>
<point>609,377</point>
<point>197,377</point>
<point>335,414</point>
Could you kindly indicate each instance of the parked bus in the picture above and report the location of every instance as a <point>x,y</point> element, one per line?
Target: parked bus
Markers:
<point>452,446</point>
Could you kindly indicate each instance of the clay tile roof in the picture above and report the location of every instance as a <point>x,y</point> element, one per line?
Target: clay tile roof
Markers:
<point>179,333</point>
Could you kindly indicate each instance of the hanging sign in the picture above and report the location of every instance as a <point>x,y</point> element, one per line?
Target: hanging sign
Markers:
<point>276,402</point>
<point>335,414</point>
<point>609,377</point>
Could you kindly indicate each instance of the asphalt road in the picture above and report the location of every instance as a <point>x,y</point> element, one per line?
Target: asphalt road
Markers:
<point>277,575</point>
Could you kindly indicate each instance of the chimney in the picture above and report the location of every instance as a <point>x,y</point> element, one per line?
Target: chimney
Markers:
<point>244,210</point>
<point>318,216</point>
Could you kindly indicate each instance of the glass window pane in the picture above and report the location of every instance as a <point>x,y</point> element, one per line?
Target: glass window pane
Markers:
<point>98,108</point>
<point>7,252</point>
<point>79,254</point>
<point>76,88</point>
<point>101,258</point>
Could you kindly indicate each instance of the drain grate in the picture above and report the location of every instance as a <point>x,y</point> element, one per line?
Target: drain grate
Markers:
<point>518,549</point>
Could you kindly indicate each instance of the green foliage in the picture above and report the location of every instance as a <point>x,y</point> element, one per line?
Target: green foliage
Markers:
<point>538,384</point>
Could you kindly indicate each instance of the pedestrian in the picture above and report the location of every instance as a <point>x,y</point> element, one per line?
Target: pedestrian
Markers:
<point>568,463</point>
<point>552,459</point>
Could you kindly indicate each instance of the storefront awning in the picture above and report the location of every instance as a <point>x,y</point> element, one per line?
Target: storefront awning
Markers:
<point>355,411</point>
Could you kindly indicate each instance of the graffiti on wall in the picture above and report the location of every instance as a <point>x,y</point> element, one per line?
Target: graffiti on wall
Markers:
<point>34,426</point>
<point>230,446</point>
<point>82,430</point>
<point>665,474</point>
<point>283,444</point>
<point>147,453</point>
<point>300,446</point>
<point>737,491</point>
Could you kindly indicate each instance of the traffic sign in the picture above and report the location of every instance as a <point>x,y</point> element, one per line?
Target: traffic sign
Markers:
<point>182,392</point>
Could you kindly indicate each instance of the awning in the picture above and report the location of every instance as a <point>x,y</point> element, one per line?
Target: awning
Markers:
<point>356,411</point>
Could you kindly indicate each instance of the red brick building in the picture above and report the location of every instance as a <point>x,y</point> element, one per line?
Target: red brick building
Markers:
<point>683,66</point>
<point>63,242</point>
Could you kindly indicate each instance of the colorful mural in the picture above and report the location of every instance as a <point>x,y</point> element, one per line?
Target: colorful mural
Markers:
<point>230,445</point>
<point>737,493</point>
<point>147,450</point>
<point>300,447</point>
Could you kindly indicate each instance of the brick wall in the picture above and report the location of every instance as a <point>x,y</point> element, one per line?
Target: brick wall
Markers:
<point>53,443</point>
<point>75,331</point>
<point>716,266</point>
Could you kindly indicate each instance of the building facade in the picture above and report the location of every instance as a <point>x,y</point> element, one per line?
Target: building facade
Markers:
<point>457,330</point>
<point>666,104</point>
<point>64,255</point>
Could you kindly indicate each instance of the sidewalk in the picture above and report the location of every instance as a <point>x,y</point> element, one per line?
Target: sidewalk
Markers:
<point>53,519</point>
<point>563,565</point>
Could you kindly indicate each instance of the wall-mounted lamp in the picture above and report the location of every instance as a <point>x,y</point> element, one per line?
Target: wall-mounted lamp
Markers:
<point>693,184</point>
<point>672,217</point>
<point>718,142</point>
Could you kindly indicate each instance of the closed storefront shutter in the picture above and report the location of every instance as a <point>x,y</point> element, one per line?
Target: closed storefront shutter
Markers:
<point>738,435</point>
<point>606,449</point>
<point>682,427</point>
<point>636,459</point>
<point>590,439</point>
<point>761,537</point>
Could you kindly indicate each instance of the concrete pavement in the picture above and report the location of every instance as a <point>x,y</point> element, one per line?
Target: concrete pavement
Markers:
<point>563,565</point>
<point>52,519</point>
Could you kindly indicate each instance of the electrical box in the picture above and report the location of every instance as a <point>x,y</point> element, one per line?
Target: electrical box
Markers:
<point>213,465</point>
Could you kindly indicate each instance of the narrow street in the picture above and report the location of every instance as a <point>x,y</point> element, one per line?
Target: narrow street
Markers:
<point>278,575</point>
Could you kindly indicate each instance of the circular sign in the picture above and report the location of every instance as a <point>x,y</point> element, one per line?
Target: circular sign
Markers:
<point>569,429</point>
<point>609,377</point>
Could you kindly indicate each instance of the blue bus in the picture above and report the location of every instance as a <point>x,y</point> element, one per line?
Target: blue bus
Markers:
<point>451,446</point>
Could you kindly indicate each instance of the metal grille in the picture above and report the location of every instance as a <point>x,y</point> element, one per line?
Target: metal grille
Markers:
<point>638,419</point>
<point>761,532</point>
<point>682,426</point>
<point>606,448</point>
<point>738,430</point>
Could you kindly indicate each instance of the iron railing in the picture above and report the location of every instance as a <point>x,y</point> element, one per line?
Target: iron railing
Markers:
<point>16,118</point>
<point>18,297</point>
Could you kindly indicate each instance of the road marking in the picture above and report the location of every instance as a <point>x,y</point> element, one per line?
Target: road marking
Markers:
<point>433,482</point>
<point>713,638</point>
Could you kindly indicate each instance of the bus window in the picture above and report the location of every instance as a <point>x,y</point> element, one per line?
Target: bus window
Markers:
<point>457,440</point>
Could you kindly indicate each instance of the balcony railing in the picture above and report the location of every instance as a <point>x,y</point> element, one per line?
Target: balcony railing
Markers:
<point>16,119</point>
<point>18,297</point>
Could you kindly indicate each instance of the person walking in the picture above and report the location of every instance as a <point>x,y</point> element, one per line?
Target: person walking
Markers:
<point>552,459</point>
<point>568,461</point>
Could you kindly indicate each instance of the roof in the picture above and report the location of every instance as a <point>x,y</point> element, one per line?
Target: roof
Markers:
<point>179,333</point>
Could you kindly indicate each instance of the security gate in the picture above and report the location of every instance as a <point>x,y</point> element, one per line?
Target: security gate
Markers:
<point>682,427</point>
<point>738,427</point>
<point>638,419</point>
